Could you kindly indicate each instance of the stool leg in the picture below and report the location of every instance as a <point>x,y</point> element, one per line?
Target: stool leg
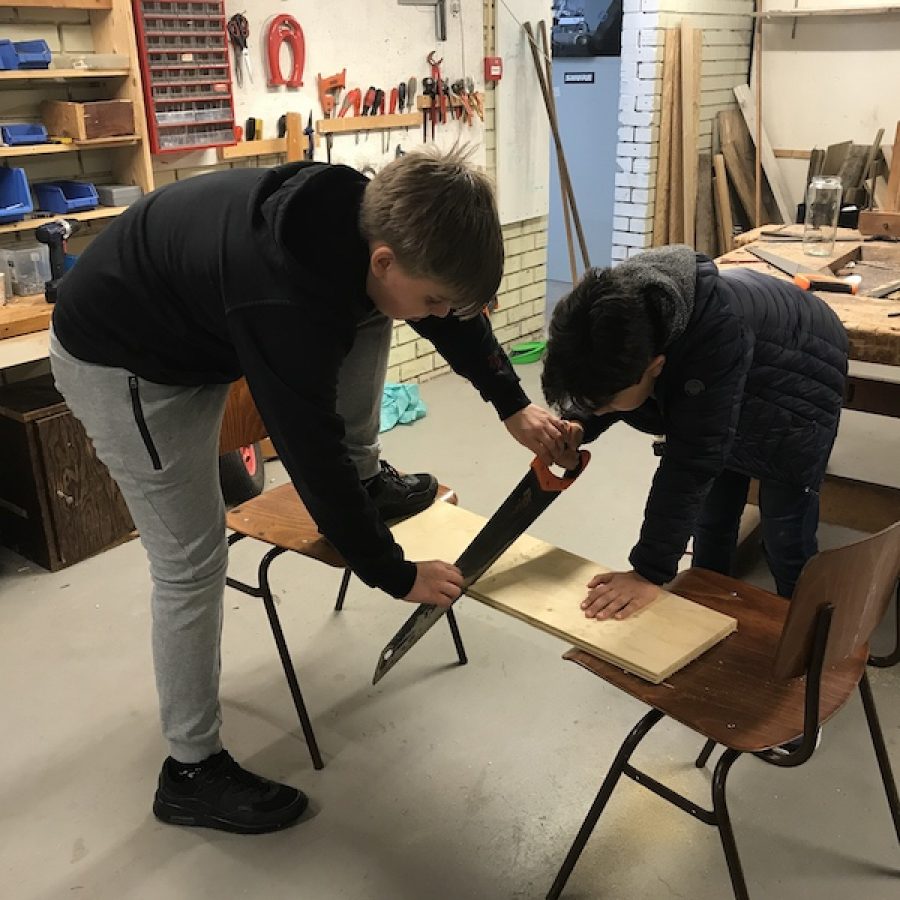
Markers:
<point>884,662</point>
<point>705,753</point>
<point>286,663</point>
<point>723,821</point>
<point>339,604</point>
<point>457,638</point>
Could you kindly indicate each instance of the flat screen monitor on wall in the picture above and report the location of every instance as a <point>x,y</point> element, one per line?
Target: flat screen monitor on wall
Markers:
<point>587,27</point>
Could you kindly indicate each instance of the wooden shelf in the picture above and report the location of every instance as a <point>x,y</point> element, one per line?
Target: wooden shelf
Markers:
<point>73,147</point>
<point>60,74</point>
<point>246,149</point>
<point>367,123</point>
<point>838,11</point>
<point>101,212</point>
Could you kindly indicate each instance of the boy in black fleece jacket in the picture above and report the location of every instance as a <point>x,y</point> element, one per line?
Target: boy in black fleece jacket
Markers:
<point>290,277</point>
<point>741,372</point>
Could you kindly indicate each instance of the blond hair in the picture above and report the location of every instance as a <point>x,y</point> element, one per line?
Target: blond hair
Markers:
<point>439,217</point>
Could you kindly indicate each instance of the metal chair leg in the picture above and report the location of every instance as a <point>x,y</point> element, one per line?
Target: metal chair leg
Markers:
<point>638,733</point>
<point>884,662</point>
<point>286,662</point>
<point>705,754</point>
<point>884,763</point>
<point>339,604</point>
<point>723,821</point>
<point>457,637</point>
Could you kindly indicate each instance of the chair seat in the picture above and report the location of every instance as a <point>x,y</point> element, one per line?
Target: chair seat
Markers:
<point>728,694</point>
<point>280,518</point>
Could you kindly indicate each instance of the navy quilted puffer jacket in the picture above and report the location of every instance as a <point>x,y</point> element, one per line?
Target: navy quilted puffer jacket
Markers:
<point>754,385</point>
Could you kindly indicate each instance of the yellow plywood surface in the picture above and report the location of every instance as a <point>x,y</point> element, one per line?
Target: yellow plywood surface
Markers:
<point>544,586</point>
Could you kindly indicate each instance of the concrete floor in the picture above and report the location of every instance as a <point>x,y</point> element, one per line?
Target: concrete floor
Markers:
<point>441,783</point>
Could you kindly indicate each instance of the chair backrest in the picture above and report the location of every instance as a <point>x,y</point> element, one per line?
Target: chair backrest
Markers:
<point>857,581</point>
<point>242,424</point>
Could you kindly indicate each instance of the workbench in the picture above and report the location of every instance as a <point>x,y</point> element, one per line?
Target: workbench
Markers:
<point>854,494</point>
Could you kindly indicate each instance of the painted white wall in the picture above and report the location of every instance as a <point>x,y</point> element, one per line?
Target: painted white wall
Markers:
<point>836,80</point>
<point>523,129</point>
<point>380,43</point>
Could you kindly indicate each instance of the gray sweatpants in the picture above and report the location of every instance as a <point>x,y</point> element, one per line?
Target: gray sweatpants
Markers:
<point>160,444</point>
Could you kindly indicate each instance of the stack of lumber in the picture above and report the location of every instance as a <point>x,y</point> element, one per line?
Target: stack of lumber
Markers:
<point>885,221</point>
<point>674,219</point>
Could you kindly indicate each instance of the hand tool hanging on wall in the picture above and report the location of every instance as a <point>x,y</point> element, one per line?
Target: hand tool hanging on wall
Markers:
<point>437,99</point>
<point>309,131</point>
<point>476,98</point>
<point>329,93</point>
<point>428,86</point>
<point>239,33</point>
<point>534,493</point>
<point>285,29</point>
<point>352,100</point>
<point>411,87</point>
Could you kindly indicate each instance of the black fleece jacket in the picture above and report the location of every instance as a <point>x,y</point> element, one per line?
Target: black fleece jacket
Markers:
<point>262,273</point>
<point>754,385</point>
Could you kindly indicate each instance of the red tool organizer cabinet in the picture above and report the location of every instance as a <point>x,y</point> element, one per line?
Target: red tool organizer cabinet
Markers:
<point>183,50</point>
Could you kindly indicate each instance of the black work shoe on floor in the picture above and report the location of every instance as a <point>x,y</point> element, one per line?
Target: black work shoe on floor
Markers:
<point>218,793</point>
<point>397,496</point>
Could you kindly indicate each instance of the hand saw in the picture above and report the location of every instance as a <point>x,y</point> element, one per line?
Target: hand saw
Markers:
<point>805,277</point>
<point>534,493</point>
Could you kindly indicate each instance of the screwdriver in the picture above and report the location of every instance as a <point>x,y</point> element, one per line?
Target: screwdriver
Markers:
<point>411,87</point>
<point>428,89</point>
<point>368,104</point>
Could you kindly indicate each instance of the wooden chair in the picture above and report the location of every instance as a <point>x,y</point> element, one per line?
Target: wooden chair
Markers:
<point>789,668</point>
<point>279,518</point>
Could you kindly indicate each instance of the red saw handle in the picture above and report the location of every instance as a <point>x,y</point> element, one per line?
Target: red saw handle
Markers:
<point>550,482</point>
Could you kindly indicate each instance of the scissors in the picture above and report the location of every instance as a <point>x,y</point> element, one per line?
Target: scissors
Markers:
<point>239,32</point>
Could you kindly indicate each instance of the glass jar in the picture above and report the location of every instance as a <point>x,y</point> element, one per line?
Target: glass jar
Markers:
<point>823,205</point>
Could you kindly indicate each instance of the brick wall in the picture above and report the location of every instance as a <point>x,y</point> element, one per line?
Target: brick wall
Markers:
<point>727,28</point>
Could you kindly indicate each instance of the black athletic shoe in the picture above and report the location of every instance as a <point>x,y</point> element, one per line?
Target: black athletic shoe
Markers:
<point>398,496</point>
<point>218,793</point>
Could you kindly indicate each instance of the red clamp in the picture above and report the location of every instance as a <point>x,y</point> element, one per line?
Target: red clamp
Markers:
<point>286,29</point>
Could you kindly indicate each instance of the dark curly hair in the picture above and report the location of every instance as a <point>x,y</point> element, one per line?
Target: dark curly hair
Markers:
<point>603,336</point>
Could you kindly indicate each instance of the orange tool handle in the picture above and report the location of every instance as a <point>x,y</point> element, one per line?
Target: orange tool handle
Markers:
<point>817,282</point>
<point>550,482</point>
<point>351,99</point>
<point>395,99</point>
<point>368,101</point>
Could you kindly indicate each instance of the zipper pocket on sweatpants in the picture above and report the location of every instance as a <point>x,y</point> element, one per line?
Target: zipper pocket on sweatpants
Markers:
<point>142,422</point>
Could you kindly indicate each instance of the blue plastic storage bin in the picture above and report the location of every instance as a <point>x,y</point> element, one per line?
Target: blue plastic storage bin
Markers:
<point>66,196</point>
<point>33,54</point>
<point>15,198</point>
<point>8,57</point>
<point>19,133</point>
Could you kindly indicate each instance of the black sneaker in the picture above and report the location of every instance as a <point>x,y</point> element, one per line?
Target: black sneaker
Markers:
<point>398,496</point>
<point>220,794</point>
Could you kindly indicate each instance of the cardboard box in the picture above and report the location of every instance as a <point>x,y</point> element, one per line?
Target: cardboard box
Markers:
<point>88,121</point>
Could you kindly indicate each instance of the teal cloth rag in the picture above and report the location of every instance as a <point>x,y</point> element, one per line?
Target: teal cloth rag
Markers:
<point>400,405</point>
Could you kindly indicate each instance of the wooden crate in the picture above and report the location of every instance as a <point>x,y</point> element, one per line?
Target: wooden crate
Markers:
<point>58,504</point>
<point>87,121</point>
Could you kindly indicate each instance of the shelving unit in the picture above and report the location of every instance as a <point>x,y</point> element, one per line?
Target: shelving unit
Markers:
<point>833,12</point>
<point>92,215</point>
<point>112,32</point>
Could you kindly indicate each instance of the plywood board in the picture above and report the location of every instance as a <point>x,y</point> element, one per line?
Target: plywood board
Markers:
<point>544,585</point>
<point>705,238</point>
<point>747,103</point>
<point>691,49</point>
<point>723,205</point>
<point>676,163</point>
<point>661,209</point>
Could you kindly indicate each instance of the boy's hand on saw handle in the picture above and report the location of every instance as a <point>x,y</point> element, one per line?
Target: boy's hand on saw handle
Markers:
<point>538,430</point>
<point>437,583</point>
<point>573,435</point>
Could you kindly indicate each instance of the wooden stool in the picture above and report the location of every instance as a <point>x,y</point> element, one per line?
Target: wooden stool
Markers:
<point>278,517</point>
